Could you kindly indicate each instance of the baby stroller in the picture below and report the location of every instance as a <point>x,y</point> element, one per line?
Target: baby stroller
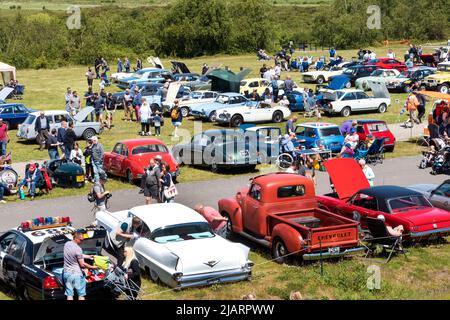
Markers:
<point>119,284</point>
<point>441,162</point>
<point>429,157</point>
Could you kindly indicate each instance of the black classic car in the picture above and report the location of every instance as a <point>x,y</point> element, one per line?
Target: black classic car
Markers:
<point>355,72</point>
<point>404,81</point>
<point>65,173</point>
<point>218,149</point>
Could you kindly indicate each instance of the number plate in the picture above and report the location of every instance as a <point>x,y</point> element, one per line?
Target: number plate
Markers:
<point>334,250</point>
<point>213,281</point>
<point>80,178</point>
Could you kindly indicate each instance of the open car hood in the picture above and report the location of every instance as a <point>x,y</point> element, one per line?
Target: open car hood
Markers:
<point>172,92</point>
<point>53,246</point>
<point>346,176</point>
<point>5,92</point>
<point>180,67</point>
<point>154,61</point>
<point>80,116</point>
<point>379,89</point>
<point>338,82</point>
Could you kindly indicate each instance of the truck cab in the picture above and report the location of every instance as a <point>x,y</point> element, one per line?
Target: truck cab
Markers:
<point>280,211</point>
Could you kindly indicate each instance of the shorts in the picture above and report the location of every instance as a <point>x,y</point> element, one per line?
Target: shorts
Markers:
<point>74,281</point>
<point>176,124</point>
<point>151,192</point>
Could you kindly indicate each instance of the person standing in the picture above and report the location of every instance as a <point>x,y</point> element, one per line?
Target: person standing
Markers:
<point>205,69</point>
<point>145,114</point>
<point>119,65</point>
<point>69,141</point>
<point>125,231</point>
<point>166,183</point>
<point>89,76</point>
<point>42,127</point>
<point>73,264</point>
<point>288,85</point>
<point>151,183</point>
<point>4,137</point>
<point>101,195</point>
<point>290,125</point>
<point>52,145</point>
<point>157,121</point>
<point>97,158</point>
<point>68,97</point>
<point>411,106</point>
<point>98,64</point>
<point>137,103</point>
<point>275,89</point>
<point>368,172</point>
<point>217,223</point>
<point>99,106</point>
<point>89,97</point>
<point>263,70</point>
<point>127,65</point>
<point>127,105</point>
<point>421,107</point>
<point>60,136</point>
<point>89,169</point>
<point>177,118</point>
<point>138,64</point>
<point>75,103</point>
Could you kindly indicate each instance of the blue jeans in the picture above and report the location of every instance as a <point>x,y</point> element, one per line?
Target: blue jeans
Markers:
<point>3,148</point>
<point>73,281</point>
<point>67,151</point>
<point>53,154</point>
<point>98,170</point>
<point>30,185</point>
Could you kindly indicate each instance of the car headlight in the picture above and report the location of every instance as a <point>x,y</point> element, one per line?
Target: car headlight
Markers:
<point>248,265</point>
<point>177,276</point>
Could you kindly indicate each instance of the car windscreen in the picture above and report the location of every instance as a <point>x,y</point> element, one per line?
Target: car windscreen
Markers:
<point>406,203</point>
<point>377,73</point>
<point>333,131</point>
<point>149,148</point>
<point>243,83</point>
<point>223,99</point>
<point>350,71</point>
<point>329,96</point>
<point>195,95</point>
<point>182,232</point>
<point>29,119</point>
<point>405,74</point>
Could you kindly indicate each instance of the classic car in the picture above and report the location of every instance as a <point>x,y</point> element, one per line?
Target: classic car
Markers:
<point>209,110</point>
<point>197,98</point>
<point>399,205</point>
<point>346,101</point>
<point>218,149</point>
<point>65,173</point>
<point>404,81</point>
<point>378,128</point>
<point>84,122</point>
<point>296,100</point>
<point>280,211</point>
<point>177,247</point>
<point>378,75</point>
<point>193,81</point>
<point>439,81</point>
<point>351,74</point>
<point>251,84</point>
<point>129,158</point>
<point>438,195</point>
<point>144,76</point>
<point>322,76</point>
<point>31,258</point>
<point>262,112</point>
<point>267,140</point>
<point>149,89</point>
<point>388,63</point>
<point>14,114</point>
<point>317,134</point>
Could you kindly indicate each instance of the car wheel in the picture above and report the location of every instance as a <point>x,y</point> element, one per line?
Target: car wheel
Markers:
<point>444,88</point>
<point>214,166</point>
<point>88,133</point>
<point>212,116</point>
<point>320,80</point>
<point>346,112</point>
<point>277,117</point>
<point>236,120</point>
<point>229,226</point>
<point>279,251</point>
<point>179,157</point>
<point>348,85</point>
<point>22,293</point>
<point>184,111</point>
<point>130,178</point>
<point>153,275</point>
<point>382,108</point>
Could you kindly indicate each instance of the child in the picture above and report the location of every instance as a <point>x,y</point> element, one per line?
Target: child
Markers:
<point>157,123</point>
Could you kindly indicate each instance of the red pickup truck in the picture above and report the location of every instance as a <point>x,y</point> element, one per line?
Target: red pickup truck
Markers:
<point>280,211</point>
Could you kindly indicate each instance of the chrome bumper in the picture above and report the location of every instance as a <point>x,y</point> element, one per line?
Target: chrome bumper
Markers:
<point>328,255</point>
<point>213,278</point>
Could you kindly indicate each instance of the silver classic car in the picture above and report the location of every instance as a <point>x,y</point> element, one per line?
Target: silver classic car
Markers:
<point>439,195</point>
<point>177,247</point>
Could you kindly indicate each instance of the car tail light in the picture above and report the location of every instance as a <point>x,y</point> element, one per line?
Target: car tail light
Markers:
<point>50,283</point>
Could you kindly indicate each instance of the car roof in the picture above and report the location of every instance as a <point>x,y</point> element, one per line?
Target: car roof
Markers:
<point>317,125</point>
<point>139,142</point>
<point>362,66</point>
<point>261,127</point>
<point>253,79</point>
<point>38,236</point>
<point>369,121</point>
<point>230,94</point>
<point>4,105</point>
<point>50,112</point>
<point>389,192</point>
<point>166,214</point>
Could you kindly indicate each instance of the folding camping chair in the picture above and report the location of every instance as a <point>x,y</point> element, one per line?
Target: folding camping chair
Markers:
<point>381,236</point>
<point>430,133</point>
<point>119,284</point>
<point>375,153</point>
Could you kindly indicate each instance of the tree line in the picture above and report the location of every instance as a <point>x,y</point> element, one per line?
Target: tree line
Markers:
<point>190,28</point>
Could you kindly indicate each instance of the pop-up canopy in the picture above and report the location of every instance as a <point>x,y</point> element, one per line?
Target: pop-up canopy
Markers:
<point>8,72</point>
<point>436,95</point>
<point>225,80</point>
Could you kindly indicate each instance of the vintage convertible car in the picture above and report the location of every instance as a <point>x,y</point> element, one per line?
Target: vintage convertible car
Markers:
<point>209,110</point>
<point>439,195</point>
<point>262,112</point>
<point>65,173</point>
<point>196,98</point>
<point>129,158</point>
<point>376,76</point>
<point>218,149</point>
<point>177,247</point>
<point>399,206</point>
<point>322,76</point>
<point>144,76</point>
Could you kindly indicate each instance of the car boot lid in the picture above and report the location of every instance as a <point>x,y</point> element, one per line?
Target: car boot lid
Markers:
<point>80,116</point>
<point>5,92</point>
<point>379,89</point>
<point>346,176</point>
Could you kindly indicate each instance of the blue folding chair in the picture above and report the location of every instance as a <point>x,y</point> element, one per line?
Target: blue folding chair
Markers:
<point>374,154</point>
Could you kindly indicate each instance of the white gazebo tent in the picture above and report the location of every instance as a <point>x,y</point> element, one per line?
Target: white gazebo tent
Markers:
<point>7,73</point>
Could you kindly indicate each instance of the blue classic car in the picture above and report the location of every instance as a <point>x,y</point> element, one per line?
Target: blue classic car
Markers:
<point>316,134</point>
<point>296,100</point>
<point>224,100</point>
<point>144,76</point>
<point>14,114</point>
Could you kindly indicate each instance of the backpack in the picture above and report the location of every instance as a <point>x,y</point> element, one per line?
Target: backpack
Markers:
<point>174,114</point>
<point>47,180</point>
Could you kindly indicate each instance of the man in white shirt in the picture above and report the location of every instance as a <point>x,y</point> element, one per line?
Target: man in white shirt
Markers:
<point>373,55</point>
<point>278,70</point>
<point>268,74</point>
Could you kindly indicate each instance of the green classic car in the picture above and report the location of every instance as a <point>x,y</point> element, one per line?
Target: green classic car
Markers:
<point>65,173</point>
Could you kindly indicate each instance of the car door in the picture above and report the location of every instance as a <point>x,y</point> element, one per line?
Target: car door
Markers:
<point>12,262</point>
<point>5,242</point>
<point>121,161</point>
<point>7,115</point>
<point>20,114</point>
<point>198,145</point>
<point>364,102</point>
<point>115,159</point>
<point>350,100</point>
<point>250,217</point>
<point>359,207</point>
<point>440,197</point>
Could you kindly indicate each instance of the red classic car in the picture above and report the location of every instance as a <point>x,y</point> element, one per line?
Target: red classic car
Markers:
<point>388,63</point>
<point>354,198</point>
<point>130,157</point>
<point>378,128</point>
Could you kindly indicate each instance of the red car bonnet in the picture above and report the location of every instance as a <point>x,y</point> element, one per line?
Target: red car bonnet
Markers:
<point>346,176</point>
